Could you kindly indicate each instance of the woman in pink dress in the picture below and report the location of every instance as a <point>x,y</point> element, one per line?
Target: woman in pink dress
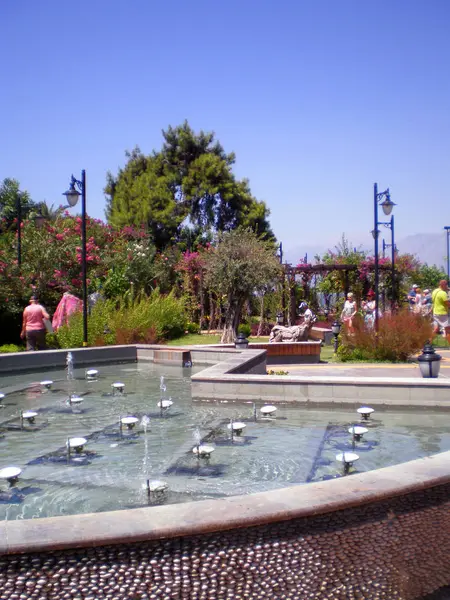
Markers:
<point>33,326</point>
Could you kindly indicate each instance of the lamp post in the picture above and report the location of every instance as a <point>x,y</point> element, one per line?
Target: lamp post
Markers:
<point>72,195</point>
<point>447,231</point>
<point>335,329</point>
<point>384,200</point>
<point>390,225</point>
<point>283,299</point>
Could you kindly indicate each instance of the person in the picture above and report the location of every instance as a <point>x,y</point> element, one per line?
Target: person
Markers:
<point>308,314</point>
<point>33,326</point>
<point>439,299</point>
<point>426,303</point>
<point>368,308</point>
<point>349,311</point>
<point>412,297</point>
<point>417,306</point>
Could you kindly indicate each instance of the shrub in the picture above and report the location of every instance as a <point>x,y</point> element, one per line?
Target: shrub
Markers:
<point>145,319</point>
<point>6,348</point>
<point>192,328</point>
<point>399,336</point>
<point>245,328</point>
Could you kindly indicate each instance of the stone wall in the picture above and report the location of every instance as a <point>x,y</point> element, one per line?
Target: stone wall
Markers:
<point>397,548</point>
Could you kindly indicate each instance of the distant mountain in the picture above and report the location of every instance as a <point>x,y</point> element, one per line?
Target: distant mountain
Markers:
<point>430,248</point>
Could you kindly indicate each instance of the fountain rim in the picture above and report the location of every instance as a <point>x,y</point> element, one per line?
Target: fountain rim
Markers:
<point>205,516</point>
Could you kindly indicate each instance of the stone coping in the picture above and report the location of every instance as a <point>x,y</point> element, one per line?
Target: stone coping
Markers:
<point>206,516</point>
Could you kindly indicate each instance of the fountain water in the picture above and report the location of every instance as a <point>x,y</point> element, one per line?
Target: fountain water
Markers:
<point>69,363</point>
<point>145,423</point>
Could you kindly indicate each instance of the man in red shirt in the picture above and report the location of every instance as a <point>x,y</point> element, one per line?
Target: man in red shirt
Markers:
<point>33,326</point>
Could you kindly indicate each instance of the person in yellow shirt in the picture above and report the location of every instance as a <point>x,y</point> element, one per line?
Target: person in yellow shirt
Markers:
<point>439,299</point>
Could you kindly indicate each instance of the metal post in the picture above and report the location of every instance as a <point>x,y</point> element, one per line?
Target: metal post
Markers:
<point>375,229</point>
<point>393,299</point>
<point>19,230</point>
<point>84,256</point>
<point>447,230</point>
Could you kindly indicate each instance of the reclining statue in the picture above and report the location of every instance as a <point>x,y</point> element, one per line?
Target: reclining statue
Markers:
<point>296,333</point>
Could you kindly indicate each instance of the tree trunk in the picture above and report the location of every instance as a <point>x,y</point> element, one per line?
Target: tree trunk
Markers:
<point>261,317</point>
<point>231,321</point>
<point>212,313</point>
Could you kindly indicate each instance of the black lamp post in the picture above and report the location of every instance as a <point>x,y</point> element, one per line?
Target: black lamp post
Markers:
<point>72,196</point>
<point>447,231</point>
<point>241,342</point>
<point>384,200</point>
<point>429,362</point>
<point>390,225</point>
<point>336,329</point>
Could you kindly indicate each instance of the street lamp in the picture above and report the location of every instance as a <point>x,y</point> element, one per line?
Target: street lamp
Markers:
<point>72,195</point>
<point>336,329</point>
<point>390,225</point>
<point>447,231</point>
<point>382,199</point>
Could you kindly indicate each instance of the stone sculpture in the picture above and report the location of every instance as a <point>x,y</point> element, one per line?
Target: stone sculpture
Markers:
<point>296,333</point>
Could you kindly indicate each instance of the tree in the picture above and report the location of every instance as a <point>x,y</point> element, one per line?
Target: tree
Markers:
<point>429,276</point>
<point>10,196</point>
<point>189,181</point>
<point>239,264</point>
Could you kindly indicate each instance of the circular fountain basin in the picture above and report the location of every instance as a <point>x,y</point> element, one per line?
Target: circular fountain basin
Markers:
<point>130,422</point>
<point>204,450</point>
<point>165,404</point>
<point>29,415</point>
<point>76,443</point>
<point>157,486</point>
<point>357,430</point>
<point>75,399</point>
<point>118,385</point>
<point>238,427</point>
<point>347,457</point>
<point>91,374</point>
<point>10,473</point>
<point>268,410</point>
<point>47,383</point>
<point>365,411</point>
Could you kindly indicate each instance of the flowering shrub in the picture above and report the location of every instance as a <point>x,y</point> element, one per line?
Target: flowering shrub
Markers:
<point>145,319</point>
<point>400,336</point>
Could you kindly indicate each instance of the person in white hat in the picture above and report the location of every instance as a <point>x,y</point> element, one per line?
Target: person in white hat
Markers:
<point>412,297</point>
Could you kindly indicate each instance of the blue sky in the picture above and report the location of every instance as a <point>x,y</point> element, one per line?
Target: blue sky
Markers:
<point>318,99</point>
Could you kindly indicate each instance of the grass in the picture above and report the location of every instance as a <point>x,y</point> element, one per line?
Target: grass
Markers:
<point>439,341</point>
<point>327,354</point>
<point>192,339</point>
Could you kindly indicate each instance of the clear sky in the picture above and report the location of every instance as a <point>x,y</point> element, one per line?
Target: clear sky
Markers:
<point>319,99</point>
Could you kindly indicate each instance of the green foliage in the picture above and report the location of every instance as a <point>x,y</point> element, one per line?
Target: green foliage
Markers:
<point>144,319</point>
<point>240,264</point>
<point>6,348</point>
<point>429,277</point>
<point>245,328</point>
<point>192,328</point>
<point>190,177</point>
<point>10,196</point>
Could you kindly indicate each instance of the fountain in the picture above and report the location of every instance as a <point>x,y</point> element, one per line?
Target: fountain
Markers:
<point>1,398</point>
<point>73,399</point>
<point>268,410</point>
<point>347,458</point>
<point>357,432</point>
<point>11,474</point>
<point>156,488</point>
<point>28,415</point>
<point>365,412</point>
<point>69,363</point>
<point>76,443</point>
<point>164,405</point>
<point>236,427</point>
<point>118,387</point>
<point>130,422</point>
<point>203,451</point>
<point>46,384</point>
<point>91,374</point>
